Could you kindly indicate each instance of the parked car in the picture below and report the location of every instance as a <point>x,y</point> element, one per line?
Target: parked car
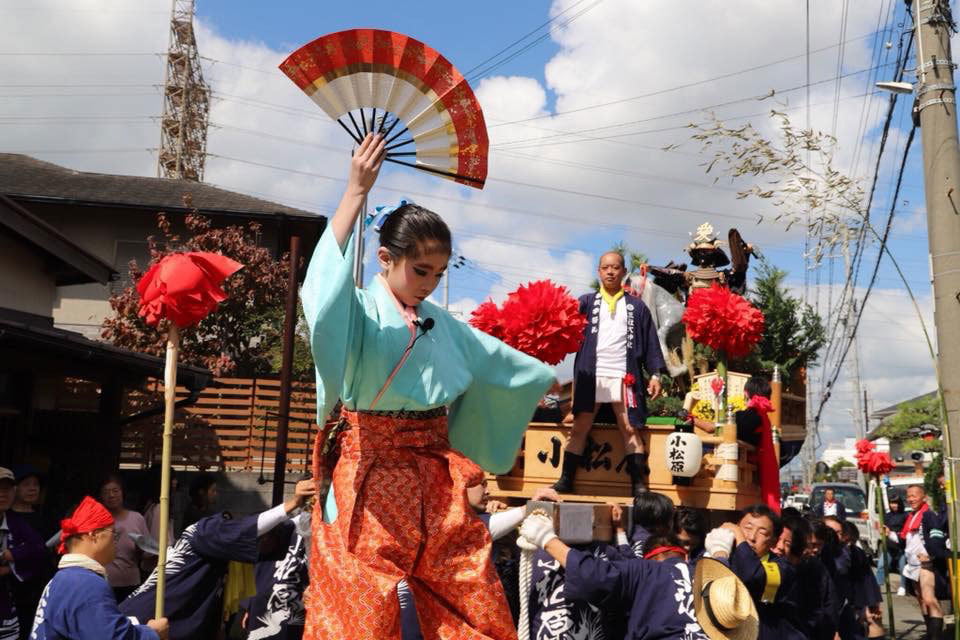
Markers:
<point>854,500</point>
<point>798,501</point>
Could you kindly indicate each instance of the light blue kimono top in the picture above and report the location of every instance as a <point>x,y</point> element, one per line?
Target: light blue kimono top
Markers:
<point>359,335</point>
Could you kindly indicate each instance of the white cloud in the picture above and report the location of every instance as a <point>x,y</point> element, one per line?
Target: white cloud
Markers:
<point>615,52</point>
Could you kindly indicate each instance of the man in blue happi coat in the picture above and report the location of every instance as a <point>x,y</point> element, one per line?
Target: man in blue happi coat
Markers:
<point>197,566</point>
<point>78,604</point>
<point>657,591</point>
<point>620,342</point>
<point>771,579</point>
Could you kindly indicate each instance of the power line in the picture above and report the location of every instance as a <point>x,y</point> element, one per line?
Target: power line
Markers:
<point>482,63</point>
<point>679,113</point>
<point>873,277</point>
<point>614,138</point>
<point>487,70</point>
<point>679,87</point>
<point>580,221</point>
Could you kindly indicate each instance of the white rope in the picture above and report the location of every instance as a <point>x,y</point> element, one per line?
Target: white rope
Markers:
<point>527,550</point>
<point>728,451</point>
<point>729,472</point>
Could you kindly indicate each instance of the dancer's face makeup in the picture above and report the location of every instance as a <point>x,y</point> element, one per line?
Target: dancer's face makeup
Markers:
<point>412,280</point>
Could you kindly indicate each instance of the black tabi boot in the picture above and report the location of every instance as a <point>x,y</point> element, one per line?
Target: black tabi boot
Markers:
<point>934,628</point>
<point>569,470</point>
<point>638,470</point>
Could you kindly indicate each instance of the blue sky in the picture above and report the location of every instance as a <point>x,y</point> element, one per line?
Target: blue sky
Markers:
<point>466,33</point>
<point>577,125</point>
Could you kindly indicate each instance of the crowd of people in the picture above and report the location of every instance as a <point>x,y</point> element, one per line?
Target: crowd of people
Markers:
<point>394,534</point>
<point>93,574</point>
<point>798,576</point>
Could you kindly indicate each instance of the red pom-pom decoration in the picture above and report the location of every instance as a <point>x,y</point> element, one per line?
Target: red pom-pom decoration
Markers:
<point>864,446</point>
<point>870,461</point>
<point>488,318</point>
<point>540,319</point>
<point>723,320</point>
<point>184,287</point>
<point>717,386</point>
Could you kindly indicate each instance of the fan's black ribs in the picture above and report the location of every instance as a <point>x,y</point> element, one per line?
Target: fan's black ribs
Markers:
<point>347,129</point>
<point>356,127</point>
<point>441,172</point>
<point>399,144</point>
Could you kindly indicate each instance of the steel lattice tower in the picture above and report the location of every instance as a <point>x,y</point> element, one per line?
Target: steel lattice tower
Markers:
<point>186,102</point>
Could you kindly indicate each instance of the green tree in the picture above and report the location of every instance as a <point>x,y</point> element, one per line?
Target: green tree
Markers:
<point>632,260</point>
<point>238,339</point>
<point>837,466</point>
<point>794,332</point>
<point>910,416</point>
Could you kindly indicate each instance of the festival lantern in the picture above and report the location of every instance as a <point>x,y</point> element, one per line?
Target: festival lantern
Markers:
<point>182,288</point>
<point>683,454</point>
<point>372,80</point>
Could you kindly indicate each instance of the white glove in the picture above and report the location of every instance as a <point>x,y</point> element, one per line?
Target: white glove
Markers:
<point>718,543</point>
<point>537,530</point>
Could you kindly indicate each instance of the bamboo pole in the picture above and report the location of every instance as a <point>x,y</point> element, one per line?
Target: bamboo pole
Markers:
<point>169,398</point>
<point>776,416</point>
<point>892,633</point>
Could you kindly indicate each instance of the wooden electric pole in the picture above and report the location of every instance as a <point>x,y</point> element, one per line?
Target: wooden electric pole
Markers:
<point>936,108</point>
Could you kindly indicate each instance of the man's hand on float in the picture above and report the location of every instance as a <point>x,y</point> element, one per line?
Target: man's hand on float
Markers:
<point>304,490</point>
<point>537,530</point>
<point>495,506</point>
<point>719,542</point>
<point>545,494</point>
<point>616,514</point>
<point>654,388</point>
<point>737,531</point>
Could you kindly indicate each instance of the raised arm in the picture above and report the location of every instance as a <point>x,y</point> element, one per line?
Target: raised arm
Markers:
<point>364,168</point>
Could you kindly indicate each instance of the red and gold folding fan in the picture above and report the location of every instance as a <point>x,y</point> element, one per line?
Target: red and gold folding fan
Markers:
<point>373,80</point>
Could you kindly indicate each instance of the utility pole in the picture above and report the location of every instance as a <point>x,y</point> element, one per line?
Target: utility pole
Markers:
<point>186,102</point>
<point>446,289</point>
<point>936,107</point>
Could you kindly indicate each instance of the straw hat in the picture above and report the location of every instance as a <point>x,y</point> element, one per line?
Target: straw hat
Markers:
<point>722,603</point>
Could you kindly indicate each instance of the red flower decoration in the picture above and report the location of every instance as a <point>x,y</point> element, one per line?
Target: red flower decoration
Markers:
<point>184,287</point>
<point>723,320</point>
<point>871,461</point>
<point>540,319</point>
<point>629,380</point>
<point>717,385</point>
<point>877,463</point>
<point>864,446</point>
<point>488,318</point>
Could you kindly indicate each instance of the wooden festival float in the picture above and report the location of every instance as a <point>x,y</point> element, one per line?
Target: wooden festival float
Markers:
<point>605,480</point>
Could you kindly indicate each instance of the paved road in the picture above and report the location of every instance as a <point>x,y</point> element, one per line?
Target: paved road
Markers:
<point>908,623</point>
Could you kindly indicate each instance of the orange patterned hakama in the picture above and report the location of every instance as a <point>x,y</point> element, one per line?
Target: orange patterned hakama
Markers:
<point>402,512</point>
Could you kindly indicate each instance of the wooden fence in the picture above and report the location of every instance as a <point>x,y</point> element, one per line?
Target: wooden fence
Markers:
<point>231,427</point>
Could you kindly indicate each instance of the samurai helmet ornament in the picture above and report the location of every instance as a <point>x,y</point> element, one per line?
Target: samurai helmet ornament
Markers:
<point>705,249</point>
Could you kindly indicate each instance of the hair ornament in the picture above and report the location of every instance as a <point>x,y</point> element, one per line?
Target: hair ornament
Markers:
<point>379,217</point>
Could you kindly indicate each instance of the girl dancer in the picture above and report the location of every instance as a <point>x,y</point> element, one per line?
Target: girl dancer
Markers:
<point>423,395</point>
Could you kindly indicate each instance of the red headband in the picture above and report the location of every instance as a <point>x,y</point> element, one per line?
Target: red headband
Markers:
<point>664,549</point>
<point>89,516</point>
